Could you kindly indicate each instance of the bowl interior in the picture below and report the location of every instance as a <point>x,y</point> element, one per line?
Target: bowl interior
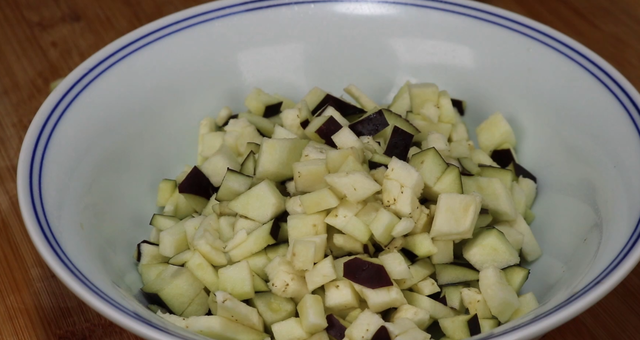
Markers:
<point>132,120</point>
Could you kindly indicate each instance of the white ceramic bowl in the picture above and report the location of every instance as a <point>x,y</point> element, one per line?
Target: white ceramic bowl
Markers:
<point>128,117</point>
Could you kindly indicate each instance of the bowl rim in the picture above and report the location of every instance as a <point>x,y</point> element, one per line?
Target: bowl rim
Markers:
<point>34,213</point>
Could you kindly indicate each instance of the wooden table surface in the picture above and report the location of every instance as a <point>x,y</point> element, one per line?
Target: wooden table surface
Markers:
<point>41,41</point>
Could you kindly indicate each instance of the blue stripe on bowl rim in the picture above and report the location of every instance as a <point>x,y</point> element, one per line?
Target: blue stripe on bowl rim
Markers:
<point>132,47</point>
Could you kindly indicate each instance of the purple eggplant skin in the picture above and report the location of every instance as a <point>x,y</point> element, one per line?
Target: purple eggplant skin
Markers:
<point>233,116</point>
<point>154,299</point>
<point>503,157</point>
<point>335,328</point>
<point>399,143</point>
<point>381,334</point>
<point>459,105</point>
<point>275,229</point>
<point>139,252</point>
<point>411,256</point>
<point>272,110</point>
<point>329,128</point>
<point>197,183</point>
<point>370,125</point>
<point>474,325</point>
<point>521,171</point>
<point>367,274</point>
<point>345,109</point>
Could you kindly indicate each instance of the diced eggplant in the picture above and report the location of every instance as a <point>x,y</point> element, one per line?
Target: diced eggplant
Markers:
<point>258,101</point>
<point>360,97</point>
<point>272,109</point>
<point>459,105</point>
<point>248,166</point>
<point>455,327</point>
<point>438,296</point>
<point>399,143</point>
<point>377,161</point>
<point>263,125</point>
<point>273,308</point>
<point>166,188</point>
<point>340,295</point>
<point>522,172</point>
<point>335,328</point>
<point>233,184</point>
<point>381,334</point>
<point>329,128</point>
<point>276,228</point>
<point>226,122</point>
<point>346,109</point>
<point>506,176</point>
<point>370,125</point>
<point>154,299</point>
<point>453,295</point>
<point>312,314</point>
<point>365,325</point>
<point>490,248</point>
<point>411,256</point>
<point>500,296</point>
<point>198,184</point>
<point>503,157</point>
<point>148,252</point>
<point>449,274</point>
<point>366,273</point>
<point>474,325</point>
<point>516,276</point>
<point>162,222</point>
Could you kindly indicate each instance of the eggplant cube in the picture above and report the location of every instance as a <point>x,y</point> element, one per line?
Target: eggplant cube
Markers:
<point>289,285</point>
<point>261,203</point>
<point>306,225</point>
<point>528,302</point>
<point>455,217</point>
<point>382,226</point>
<point>217,327</point>
<point>395,265</point>
<point>309,175</point>
<point>216,166</point>
<point>531,250</point>
<point>398,198</point>
<point>276,158</point>
<point>405,174</point>
<point>490,248</point>
<point>319,200</point>
<point>273,308</point>
<point>237,280</point>
<point>455,327</point>
<point>233,309</point>
<point>312,315</point>
<point>419,316</point>
<point>302,254</point>
<point>340,295</point>
<point>290,329</point>
<point>345,138</point>
<point>355,186</point>
<point>501,298</point>
<point>257,101</point>
<point>494,132</point>
<point>203,270</point>
<point>365,325</point>
<point>381,299</point>
<point>420,244</point>
<point>399,143</point>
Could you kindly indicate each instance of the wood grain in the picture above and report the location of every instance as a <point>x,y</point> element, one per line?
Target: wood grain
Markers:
<point>41,41</point>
